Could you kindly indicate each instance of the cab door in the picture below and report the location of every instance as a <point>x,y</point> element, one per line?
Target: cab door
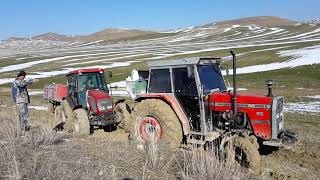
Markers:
<point>72,88</point>
<point>185,90</point>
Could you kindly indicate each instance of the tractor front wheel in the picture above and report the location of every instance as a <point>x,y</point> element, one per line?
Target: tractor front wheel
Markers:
<point>58,117</point>
<point>155,120</point>
<point>244,152</point>
<point>81,124</point>
<point>68,115</point>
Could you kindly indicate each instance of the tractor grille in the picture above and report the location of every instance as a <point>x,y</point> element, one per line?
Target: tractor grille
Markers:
<point>277,116</point>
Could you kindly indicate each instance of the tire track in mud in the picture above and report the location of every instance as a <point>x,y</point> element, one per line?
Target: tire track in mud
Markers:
<point>297,163</point>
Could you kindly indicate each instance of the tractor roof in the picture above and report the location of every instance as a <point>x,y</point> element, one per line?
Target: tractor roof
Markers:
<point>92,70</point>
<point>182,62</point>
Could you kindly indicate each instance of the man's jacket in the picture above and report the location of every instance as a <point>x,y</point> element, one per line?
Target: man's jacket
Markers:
<point>20,92</point>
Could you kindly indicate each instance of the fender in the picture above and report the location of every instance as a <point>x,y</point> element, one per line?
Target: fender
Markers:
<point>170,99</point>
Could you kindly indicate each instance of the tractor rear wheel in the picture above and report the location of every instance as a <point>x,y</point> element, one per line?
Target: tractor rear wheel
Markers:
<point>245,153</point>
<point>155,120</point>
<point>81,124</point>
<point>68,116</point>
<point>124,116</point>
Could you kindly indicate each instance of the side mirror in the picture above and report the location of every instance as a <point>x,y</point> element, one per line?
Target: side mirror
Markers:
<point>108,74</point>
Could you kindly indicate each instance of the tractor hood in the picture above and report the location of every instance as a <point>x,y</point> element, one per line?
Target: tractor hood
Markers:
<point>222,101</point>
<point>99,101</point>
<point>98,94</point>
<point>257,108</point>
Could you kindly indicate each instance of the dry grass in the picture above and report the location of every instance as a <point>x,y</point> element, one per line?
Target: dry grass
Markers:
<point>43,154</point>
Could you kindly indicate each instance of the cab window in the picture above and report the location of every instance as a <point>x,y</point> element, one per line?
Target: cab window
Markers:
<point>160,81</point>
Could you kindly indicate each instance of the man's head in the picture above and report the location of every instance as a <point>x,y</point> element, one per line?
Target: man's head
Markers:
<point>21,74</point>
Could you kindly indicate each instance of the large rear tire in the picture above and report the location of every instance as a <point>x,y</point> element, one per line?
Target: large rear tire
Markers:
<point>68,116</point>
<point>153,119</point>
<point>81,124</point>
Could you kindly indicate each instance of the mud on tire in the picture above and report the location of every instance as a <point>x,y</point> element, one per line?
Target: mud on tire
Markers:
<point>124,116</point>
<point>58,117</point>
<point>81,124</point>
<point>68,115</point>
<point>245,153</point>
<point>156,113</point>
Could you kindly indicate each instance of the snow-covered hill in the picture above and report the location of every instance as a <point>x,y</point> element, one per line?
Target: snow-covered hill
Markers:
<point>44,58</point>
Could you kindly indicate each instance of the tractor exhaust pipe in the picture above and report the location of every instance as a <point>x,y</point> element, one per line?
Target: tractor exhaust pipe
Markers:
<point>234,78</point>
<point>269,84</point>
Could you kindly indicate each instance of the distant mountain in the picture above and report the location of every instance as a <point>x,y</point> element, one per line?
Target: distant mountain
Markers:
<point>113,34</point>
<point>106,35</point>
<point>15,39</point>
<point>54,37</point>
<point>261,21</point>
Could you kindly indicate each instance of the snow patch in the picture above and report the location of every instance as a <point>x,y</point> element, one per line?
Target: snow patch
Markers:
<point>35,93</point>
<point>314,97</point>
<point>305,56</point>
<point>118,84</point>
<point>38,108</point>
<point>39,75</point>
<point>253,27</point>
<point>303,107</point>
<point>274,28</point>
<point>232,27</point>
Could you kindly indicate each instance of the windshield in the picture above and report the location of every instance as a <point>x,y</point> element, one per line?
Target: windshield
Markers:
<point>91,81</point>
<point>211,78</point>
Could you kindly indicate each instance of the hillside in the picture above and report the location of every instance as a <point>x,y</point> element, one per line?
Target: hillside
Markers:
<point>262,21</point>
<point>53,37</point>
<point>104,35</point>
<point>115,34</point>
<point>112,34</point>
<point>266,48</point>
<point>247,35</point>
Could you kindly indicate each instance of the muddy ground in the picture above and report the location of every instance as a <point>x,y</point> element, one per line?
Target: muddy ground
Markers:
<point>302,161</point>
<point>127,160</point>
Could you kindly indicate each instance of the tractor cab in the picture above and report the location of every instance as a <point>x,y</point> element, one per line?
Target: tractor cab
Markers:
<point>189,80</point>
<point>82,81</point>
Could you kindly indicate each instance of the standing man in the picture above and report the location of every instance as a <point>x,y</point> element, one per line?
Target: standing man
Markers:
<point>21,98</point>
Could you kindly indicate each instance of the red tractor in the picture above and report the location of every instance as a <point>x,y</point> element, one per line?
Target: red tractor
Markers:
<point>83,104</point>
<point>187,102</point>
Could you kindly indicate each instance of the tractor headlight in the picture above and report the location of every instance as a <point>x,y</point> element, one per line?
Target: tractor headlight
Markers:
<point>104,104</point>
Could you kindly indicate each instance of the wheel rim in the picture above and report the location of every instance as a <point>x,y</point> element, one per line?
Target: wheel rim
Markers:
<point>150,129</point>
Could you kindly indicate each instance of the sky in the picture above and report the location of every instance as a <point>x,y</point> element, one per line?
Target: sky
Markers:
<point>24,18</point>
